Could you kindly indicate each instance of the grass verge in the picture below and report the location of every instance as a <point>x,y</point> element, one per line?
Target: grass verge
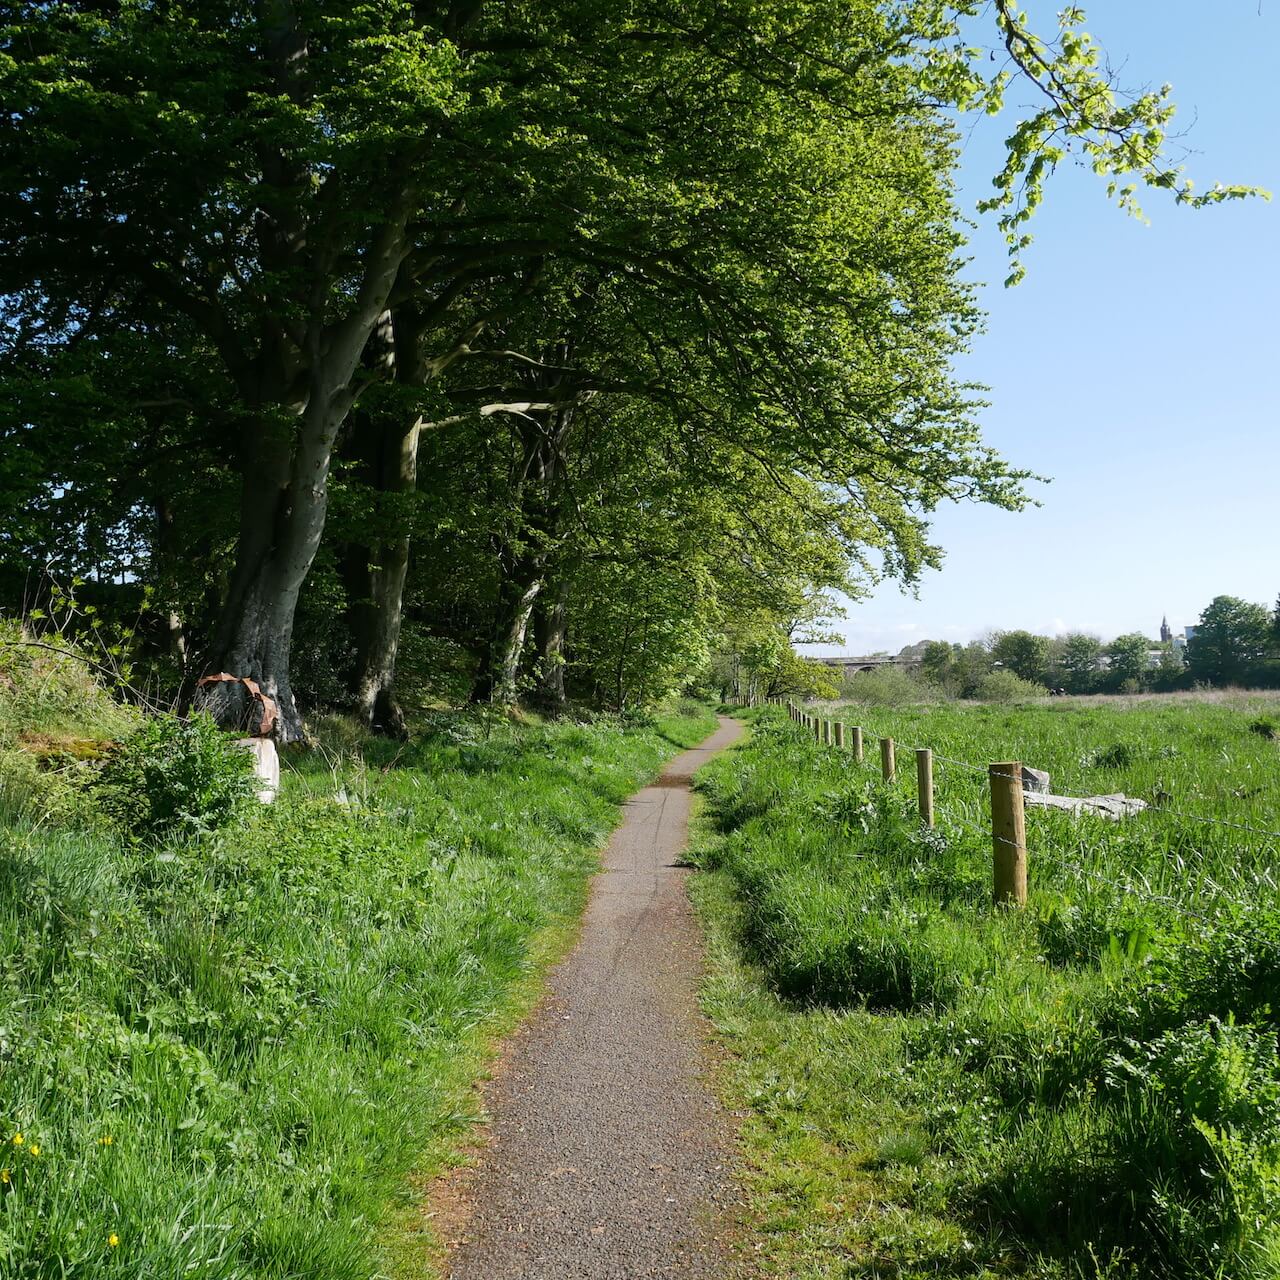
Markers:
<point>224,1056</point>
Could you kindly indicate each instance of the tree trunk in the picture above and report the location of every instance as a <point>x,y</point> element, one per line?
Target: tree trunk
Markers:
<point>550,629</point>
<point>376,620</point>
<point>283,509</point>
<point>523,558</point>
<point>499,680</point>
<point>279,534</point>
<point>389,449</point>
<point>287,456</point>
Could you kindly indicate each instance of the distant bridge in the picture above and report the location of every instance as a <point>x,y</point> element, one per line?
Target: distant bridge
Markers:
<point>851,666</point>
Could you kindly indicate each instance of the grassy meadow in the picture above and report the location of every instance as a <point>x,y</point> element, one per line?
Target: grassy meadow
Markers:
<point>1088,1087</point>
<point>224,1053</point>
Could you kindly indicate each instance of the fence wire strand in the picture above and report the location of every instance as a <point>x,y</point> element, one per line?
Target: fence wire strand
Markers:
<point>1148,806</point>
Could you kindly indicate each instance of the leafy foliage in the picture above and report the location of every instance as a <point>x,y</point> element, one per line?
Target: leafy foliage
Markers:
<point>1230,640</point>
<point>1024,654</point>
<point>174,777</point>
<point>537,291</point>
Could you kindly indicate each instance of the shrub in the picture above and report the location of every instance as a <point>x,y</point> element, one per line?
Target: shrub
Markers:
<point>174,777</point>
<point>1004,686</point>
<point>888,687</point>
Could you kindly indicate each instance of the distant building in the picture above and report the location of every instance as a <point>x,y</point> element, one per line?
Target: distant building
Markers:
<point>1177,644</point>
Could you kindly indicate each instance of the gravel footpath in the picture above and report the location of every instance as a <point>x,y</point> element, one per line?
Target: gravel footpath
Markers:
<point>608,1155</point>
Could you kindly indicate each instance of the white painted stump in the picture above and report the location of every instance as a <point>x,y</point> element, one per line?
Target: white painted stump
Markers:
<point>266,765</point>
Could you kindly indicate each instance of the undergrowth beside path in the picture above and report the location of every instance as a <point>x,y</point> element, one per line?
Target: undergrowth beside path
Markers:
<point>222,1056</point>
<point>937,1088</point>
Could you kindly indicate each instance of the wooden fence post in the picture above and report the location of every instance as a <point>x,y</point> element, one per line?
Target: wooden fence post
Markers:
<point>888,767</point>
<point>826,733</point>
<point>840,735</point>
<point>817,728</point>
<point>1008,834</point>
<point>856,730</point>
<point>924,784</point>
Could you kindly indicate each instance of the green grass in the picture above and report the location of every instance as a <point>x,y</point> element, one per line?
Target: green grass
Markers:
<point>1088,1087</point>
<point>839,1165</point>
<point>233,1053</point>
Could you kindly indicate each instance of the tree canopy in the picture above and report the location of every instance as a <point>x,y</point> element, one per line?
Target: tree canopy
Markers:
<point>640,320</point>
<point>1230,640</point>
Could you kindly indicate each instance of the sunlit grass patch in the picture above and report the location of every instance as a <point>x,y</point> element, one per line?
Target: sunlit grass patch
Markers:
<point>232,1049</point>
<point>1091,1085</point>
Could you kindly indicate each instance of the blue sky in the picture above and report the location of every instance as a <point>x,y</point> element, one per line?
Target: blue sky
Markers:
<point>1137,366</point>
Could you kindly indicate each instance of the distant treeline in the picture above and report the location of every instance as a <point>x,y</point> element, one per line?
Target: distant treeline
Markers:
<point>1234,643</point>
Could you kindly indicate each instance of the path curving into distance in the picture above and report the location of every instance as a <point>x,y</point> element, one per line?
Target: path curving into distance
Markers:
<point>609,1155</point>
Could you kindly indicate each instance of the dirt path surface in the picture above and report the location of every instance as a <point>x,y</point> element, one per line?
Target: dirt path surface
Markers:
<point>609,1156</point>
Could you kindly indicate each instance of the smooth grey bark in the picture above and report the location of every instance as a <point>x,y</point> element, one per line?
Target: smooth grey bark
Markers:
<point>551,624</point>
<point>377,578</point>
<point>386,447</point>
<point>284,500</point>
<point>520,590</point>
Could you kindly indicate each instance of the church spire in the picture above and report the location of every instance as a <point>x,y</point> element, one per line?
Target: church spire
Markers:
<point>1166,636</point>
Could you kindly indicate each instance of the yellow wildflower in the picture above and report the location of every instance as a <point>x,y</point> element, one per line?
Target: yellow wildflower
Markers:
<point>34,1148</point>
<point>4,1176</point>
<point>106,1141</point>
<point>18,1139</point>
<point>113,1239</point>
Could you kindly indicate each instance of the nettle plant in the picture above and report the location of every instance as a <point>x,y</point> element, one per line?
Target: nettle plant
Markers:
<point>175,777</point>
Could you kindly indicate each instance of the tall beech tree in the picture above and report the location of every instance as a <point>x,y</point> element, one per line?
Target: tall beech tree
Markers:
<point>256,169</point>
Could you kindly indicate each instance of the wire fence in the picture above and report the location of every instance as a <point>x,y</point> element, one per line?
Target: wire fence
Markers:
<point>1007,794</point>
